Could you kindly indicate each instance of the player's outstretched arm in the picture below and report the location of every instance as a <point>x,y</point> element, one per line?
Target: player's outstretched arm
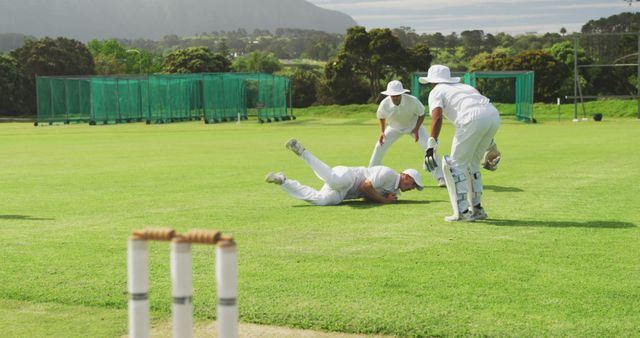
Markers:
<point>370,194</point>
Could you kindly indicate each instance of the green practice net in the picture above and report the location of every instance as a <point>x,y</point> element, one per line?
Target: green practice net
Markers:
<point>511,87</point>
<point>117,100</point>
<point>63,100</point>
<point>225,98</point>
<point>174,98</point>
<point>164,98</point>
<point>235,96</point>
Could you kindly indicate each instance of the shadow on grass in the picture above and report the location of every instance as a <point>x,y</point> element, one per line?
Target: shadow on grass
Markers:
<point>498,188</point>
<point>365,205</point>
<point>560,224</point>
<point>335,121</point>
<point>359,204</point>
<point>24,217</point>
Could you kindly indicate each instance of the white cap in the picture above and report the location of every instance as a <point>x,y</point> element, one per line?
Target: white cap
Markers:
<point>438,74</point>
<point>416,177</point>
<point>394,88</point>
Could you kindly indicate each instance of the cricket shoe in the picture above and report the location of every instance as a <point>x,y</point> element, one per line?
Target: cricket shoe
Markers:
<point>479,214</point>
<point>277,178</point>
<point>466,216</point>
<point>442,183</point>
<point>295,146</point>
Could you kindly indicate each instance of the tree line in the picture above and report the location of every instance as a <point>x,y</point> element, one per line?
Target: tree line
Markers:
<point>352,68</point>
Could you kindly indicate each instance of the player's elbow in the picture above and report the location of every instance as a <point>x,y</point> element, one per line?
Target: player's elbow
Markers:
<point>365,186</point>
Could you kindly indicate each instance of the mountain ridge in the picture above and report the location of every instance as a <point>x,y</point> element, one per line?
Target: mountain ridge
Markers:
<point>153,19</point>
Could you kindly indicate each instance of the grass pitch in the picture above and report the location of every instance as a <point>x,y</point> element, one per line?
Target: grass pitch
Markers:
<point>559,255</point>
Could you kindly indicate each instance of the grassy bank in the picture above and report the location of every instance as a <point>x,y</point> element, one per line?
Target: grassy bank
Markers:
<point>541,111</point>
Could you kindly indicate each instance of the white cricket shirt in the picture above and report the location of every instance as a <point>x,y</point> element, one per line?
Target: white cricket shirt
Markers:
<point>455,99</point>
<point>403,116</point>
<point>383,179</point>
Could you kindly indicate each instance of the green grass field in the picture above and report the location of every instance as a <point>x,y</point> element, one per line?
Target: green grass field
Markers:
<point>560,255</point>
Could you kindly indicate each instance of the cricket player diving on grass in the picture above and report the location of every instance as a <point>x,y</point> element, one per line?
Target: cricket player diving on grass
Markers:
<point>401,114</point>
<point>476,122</point>
<point>377,184</point>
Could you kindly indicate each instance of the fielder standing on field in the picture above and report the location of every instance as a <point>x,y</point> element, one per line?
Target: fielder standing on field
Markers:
<point>401,114</point>
<point>476,121</point>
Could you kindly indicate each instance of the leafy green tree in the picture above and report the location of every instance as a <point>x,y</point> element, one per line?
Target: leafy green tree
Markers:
<point>563,52</point>
<point>418,59</point>
<point>535,42</point>
<point>504,40</point>
<point>454,59</point>
<point>13,86</point>
<point>60,56</point>
<point>195,60</point>
<point>257,62</point>
<point>112,57</point>
<point>527,42</point>
<point>490,43</point>
<point>374,55</point>
<point>303,87</point>
<point>472,41</point>
<point>495,61</point>
<point>223,48</point>
<point>451,42</point>
<point>436,40</point>
<point>605,49</point>
<point>549,72</point>
<point>47,56</point>
<point>499,90</point>
<point>406,35</point>
<point>320,50</point>
<point>109,57</point>
<point>341,85</point>
<point>152,63</point>
<point>623,22</point>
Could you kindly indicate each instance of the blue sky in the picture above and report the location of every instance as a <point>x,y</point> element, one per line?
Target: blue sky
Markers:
<point>509,16</point>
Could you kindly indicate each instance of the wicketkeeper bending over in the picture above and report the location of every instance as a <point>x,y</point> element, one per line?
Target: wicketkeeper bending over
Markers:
<point>476,121</point>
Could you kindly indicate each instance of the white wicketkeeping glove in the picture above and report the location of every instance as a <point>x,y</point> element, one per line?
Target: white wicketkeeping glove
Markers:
<point>491,157</point>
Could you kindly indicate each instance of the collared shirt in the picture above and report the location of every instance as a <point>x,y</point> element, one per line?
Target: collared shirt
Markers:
<point>403,116</point>
<point>383,179</point>
<point>455,99</point>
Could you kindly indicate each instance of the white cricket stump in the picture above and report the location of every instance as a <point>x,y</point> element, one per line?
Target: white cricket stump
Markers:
<point>227,288</point>
<point>138,285</point>
<point>182,280</point>
<point>138,278</point>
<point>181,288</point>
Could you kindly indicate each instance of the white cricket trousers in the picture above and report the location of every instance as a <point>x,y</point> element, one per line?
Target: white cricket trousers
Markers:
<point>337,183</point>
<point>474,132</point>
<point>391,135</point>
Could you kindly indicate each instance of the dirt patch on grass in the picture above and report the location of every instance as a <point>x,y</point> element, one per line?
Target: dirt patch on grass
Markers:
<point>255,331</point>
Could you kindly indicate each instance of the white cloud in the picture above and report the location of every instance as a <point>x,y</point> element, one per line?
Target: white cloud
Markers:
<point>510,16</point>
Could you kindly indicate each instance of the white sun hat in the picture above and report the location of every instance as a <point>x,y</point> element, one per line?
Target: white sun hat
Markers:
<point>439,74</point>
<point>416,177</point>
<point>394,88</point>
